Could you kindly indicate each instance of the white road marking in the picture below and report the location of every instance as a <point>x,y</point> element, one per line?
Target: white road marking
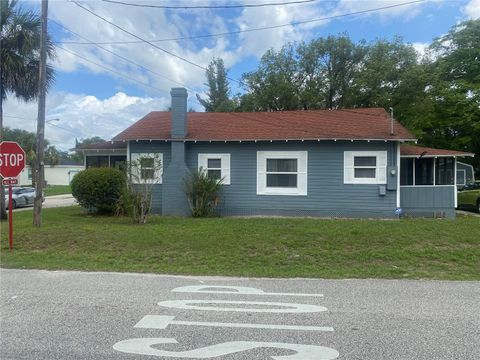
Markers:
<point>143,346</point>
<point>162,322</point>
<point>284,307</point>
<point>235,290</point>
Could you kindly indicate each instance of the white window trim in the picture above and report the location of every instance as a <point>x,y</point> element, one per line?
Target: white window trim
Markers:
<point>225,162</point>
<point>349,168</point>
<point>302,172</point>
<point>158,176</point>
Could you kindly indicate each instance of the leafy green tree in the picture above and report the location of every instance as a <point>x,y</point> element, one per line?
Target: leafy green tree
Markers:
<point>390,76</point>
<point>275,85</point>
<point>218,96</point>
<point>329,66</point>
<point>453,117</point>
<point>19,59</point>
<point>90,140</point>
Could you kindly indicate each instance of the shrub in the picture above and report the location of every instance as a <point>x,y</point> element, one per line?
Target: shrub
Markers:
<point>203,193</point>
<point>98,189</point>
<point>136,198</point>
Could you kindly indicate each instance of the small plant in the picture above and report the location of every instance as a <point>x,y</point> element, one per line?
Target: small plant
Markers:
<point>136,199</point>
<point>203,193</point>
<point>98,189</point>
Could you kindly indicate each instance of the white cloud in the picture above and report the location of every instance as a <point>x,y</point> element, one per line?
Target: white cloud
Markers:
<point>421,47</point>
<point>472,9</point>
<point>82,116</point>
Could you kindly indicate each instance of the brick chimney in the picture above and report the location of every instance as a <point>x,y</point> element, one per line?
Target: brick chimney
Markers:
<point>179,113</point>
<point>174,200</point>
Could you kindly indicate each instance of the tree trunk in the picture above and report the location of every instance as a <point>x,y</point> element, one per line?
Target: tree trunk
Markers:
<point>42,89</point>
<point>3,211</point>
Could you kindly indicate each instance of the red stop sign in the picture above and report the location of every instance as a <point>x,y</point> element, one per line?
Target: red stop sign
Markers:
<point>12,159</point>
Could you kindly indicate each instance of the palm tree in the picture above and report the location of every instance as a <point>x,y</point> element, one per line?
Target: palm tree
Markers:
<point>19,59</point>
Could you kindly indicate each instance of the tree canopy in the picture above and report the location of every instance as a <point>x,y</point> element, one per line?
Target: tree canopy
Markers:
<point>218,96</point>
<point>436,95</point>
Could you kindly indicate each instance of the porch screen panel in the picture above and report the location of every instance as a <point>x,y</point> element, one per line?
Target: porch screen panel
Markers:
<point>406,172</point>
<point>444,171</point>
<point>424,171</point>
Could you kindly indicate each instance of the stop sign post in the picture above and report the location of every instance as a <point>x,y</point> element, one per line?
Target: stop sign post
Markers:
<point>12,163</point>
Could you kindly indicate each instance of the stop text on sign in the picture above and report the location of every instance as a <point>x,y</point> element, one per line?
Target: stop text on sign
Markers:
<point>11,159</point>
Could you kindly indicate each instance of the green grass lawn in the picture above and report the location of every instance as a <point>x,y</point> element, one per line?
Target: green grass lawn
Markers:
<point>57,190</point>
<point>275,247</point>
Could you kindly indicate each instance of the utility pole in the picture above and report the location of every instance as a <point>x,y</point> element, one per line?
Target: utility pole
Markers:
<point>42,89</point>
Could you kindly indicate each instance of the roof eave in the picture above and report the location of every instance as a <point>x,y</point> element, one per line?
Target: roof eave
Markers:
<point>270,139</point>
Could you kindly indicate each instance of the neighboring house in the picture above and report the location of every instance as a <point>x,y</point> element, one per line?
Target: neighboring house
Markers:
<point>60,174</point>
<point>104,154</point>
<point>465,174</point>
<point>333,163</point>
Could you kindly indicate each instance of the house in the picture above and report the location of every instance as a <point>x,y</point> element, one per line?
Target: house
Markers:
<point>331,163</point>
<point>60,174</point>
<point>465,174</point>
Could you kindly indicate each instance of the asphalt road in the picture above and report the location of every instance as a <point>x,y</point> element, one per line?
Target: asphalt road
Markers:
<point>77,315</point>
<point>53,201</point>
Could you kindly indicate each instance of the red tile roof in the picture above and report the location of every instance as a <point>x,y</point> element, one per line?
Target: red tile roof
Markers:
<point>357,124</point>
<point>421,151</point>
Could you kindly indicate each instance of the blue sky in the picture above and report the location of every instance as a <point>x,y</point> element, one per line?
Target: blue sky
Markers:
<point>89,100</point>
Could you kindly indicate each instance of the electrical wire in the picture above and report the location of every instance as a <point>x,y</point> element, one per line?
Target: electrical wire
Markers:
<point>150,43</point>
<point>120,56</point>
<point>185,7</point>
<point>109,69</point>
<point>294,23</point>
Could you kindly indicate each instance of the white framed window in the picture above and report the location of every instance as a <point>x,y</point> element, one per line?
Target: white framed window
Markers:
<point>147,168</point>
<point>282,172</point>
<point>216,165</point>
<point>365,167</point>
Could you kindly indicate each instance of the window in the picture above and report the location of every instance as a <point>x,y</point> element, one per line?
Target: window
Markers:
<point>444,171</point>
<point>365,167</point>
<point>424,171</point>
<point>216,165</point>
<point>29,173</point>
<point>97,161</point>
<point>118,162</point>
<point>147,167</point>
<point>461,177</point>
<point>281,173</point>
<point>406,171</point>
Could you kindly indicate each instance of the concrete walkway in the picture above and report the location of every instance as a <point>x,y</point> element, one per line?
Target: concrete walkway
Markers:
<point>467,213</point>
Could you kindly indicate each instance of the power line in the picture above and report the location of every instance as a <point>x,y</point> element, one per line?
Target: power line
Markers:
<point>120,56</point>
<point>294,23</point>
<point>171,7</point>
<point>149,42</point>
<point>57,126</point>
<point>109,69</point>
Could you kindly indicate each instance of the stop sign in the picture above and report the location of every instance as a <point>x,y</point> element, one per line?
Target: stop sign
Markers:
<point>12,159</point>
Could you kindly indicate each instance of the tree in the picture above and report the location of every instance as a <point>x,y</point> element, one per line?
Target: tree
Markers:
<point>88,141</point>
<point>275,85</point>
<point>52,156</point>
<point>218,96</point>
<point>389,76</point>
<point>19,59</point>
<point>329,66</point>
<point>315,75</point>
<point>453,120</point>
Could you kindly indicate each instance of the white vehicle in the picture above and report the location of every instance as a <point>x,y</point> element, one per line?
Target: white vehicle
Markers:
<point>21,196</point>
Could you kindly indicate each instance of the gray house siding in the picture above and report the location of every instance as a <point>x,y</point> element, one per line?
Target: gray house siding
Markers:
<point>327,195</point>
<point>428,201</point>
